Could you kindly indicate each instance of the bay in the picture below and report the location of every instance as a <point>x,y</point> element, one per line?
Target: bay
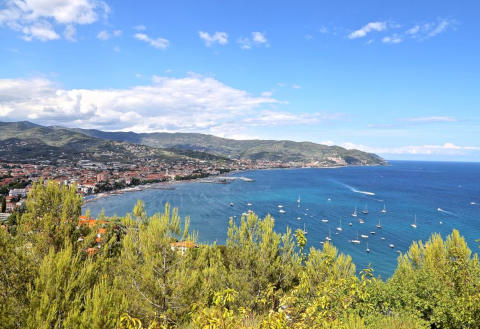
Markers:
<point>442,196</point>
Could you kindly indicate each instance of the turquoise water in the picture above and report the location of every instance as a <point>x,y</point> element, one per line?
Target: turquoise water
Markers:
<point>406,188</point>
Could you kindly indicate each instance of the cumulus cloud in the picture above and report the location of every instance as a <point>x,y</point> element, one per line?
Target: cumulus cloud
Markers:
<point>370,27</point>
<point>218,37</point>
<point>70,32</point>
<point>36,19</point>
<point>192,103</point>
<point>159,43</point>
<point>257,39</point>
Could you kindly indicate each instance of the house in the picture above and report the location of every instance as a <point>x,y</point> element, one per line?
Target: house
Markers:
<point>18,192</point>
<point>182,246</point>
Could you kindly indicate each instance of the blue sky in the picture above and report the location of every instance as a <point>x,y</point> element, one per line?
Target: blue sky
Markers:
<point>398,78</point>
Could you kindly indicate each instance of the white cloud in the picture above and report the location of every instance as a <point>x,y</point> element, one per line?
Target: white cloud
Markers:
<point>430,29</point>
<point>70,32</point>
<point>431,119</point>
<point>42,31</point>
<point>295,86</point>
<point>413,30</point>
<point>159,43</point>
<point>372,26</point>
<point>193,103</point>
<point>105,35</point>
<point>447,148</point>
<point>392,39</point>
<point>218,37</point>
<point>35,19</point>
<point>140,27</point>
<point>257,39</point>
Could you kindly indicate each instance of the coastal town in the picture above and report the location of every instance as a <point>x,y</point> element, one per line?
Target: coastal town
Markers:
<point>93,178</point>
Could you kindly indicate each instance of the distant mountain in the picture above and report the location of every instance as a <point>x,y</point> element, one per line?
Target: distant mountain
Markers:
<point>282,150</point>
<point>25,141</point>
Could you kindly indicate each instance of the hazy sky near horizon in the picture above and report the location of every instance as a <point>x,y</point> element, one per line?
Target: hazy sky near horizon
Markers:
<point>398,78</point>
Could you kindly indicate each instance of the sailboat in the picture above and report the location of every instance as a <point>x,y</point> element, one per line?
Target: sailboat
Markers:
<point>339,228</point>
<point>379,225</point>
<point>231,204</point>
<point>368,249</point>
<point>391,245</point>
<point>354,214</point>
<point>282,211</point>
<point>328,238</point>
<point>298,200</point>
<point>298,218</point>
<point>365,210</point>
<point>414,225</point>
<point>384,210</point>
<point>355,241</point>
<point>304,229</point>
<point>364,236</point>
<point>324,220</point>
<point>361,221</point>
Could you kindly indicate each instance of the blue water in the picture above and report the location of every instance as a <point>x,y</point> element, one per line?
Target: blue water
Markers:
<point>406,188</point>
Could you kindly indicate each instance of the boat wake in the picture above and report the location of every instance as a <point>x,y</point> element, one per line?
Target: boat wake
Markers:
<point>353,189</point>
<point>446,212</point>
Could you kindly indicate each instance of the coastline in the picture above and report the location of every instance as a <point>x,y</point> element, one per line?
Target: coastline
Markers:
<point>214,179</point>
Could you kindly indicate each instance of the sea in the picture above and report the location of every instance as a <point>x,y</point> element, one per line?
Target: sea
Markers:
<point>441,195</point>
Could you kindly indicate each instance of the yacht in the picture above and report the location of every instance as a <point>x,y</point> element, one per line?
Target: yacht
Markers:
<point>383,238</point>
<point>324,220</point>
<point>414,225</point>
<point>282,211</point>
<point>350,224</point>
<point>329,199</point>
<point>304,230</point>
<point>364,236</point>
<point>391,245</point>
<point>441,223</point>
<point>372,232</point>
<point>280,206</point>
<point>368,249</point>
<point>361,221</point>
<point>249,204</point>
<point>298,218</point>
<point>384,210</point>
<point>379,225</point>
<point>298,200</point>
<point>231,204</point>
<point>354,214</point>
<point>339,228</point>
<point>365,210</point>
<point>355,241</point>
<point>328,238</point>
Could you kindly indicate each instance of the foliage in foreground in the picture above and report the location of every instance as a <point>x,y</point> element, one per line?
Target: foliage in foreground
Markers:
<point>56,274</point>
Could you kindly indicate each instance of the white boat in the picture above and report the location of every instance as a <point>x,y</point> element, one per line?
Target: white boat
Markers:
<point>379,225</point>
<point>473,203</point>
<point>231,204</point>
<point>441,223</point>
<point>383,238</point>
<point>368,249</point>
<point>364,236</point>
<point>249,204</point>
<point>298,200</point>
<point>361,221</point>
<point>372,232</point>
<point>298,218</point>
<point>328,238</point>
<point>391,245</point>
<point>384,210</point>
<point>339,228</point>
<point>354,214</point>
<point>322,243</point>
<point>350,224</point>
<point>324,220</point>
<point>244,214</point>
<point>280,206</point>
<point>329,199</point>
<point>282,211</point>
<point>355,241</point>
<point>365,210</point>
<point>304,230</point>
<point>414,225</point>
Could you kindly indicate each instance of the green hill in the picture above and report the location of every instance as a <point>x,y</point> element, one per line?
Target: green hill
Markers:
<point>245,149</point>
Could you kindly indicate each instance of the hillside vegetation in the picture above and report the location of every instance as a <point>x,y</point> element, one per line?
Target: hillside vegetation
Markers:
<point>125,272</point>
<point>243,149</point>
<point>25,141</point>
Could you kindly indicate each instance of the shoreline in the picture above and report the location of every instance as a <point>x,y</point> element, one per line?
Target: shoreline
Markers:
<point>169,185</point>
